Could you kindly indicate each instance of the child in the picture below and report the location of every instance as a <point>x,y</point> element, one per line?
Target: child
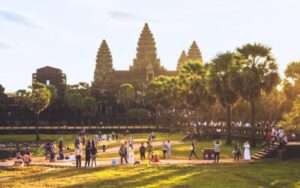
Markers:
<point>236,152</point>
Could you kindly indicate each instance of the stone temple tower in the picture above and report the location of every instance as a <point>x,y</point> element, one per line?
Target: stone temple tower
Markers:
<point>103,74</point>
<point>146,65</point>
<point>194,52</point>
<point>182,59</point>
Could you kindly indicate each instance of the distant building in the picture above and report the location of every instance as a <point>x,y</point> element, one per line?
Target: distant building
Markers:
<point>146,66</point>
<point>51,76</point>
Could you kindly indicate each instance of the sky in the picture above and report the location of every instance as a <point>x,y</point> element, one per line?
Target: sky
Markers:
<point>67,33</point>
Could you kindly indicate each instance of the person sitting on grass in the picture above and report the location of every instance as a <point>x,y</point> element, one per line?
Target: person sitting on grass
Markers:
<point>193,152</point>
<point>26,159</point>
<point>154,159</point>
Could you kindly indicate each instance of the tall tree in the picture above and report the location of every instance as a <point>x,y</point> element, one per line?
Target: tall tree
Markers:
<point>222,70</point>
<point>126,95</point>
<point>38,99</point>
<point>89,107</point>
<point>193,77</point>
<point>21,100</point>
<point>259,74</point>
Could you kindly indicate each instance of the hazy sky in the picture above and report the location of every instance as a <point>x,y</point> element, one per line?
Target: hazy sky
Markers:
<point>67,33</point>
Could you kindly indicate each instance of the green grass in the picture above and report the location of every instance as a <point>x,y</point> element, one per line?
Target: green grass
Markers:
<point>267,173</point>
<point>179,151</point>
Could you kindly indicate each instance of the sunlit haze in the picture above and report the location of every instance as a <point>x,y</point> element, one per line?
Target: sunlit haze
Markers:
<point>67,34</point>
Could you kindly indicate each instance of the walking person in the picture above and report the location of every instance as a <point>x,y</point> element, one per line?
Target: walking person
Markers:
<point>169,149</point>
<point>247,155</point>
<point>123,153</point>
<point>193,152</point>
<point>103,144</point>
<point>149,150</point>
<point>142,151</point>
<point>94,153</point>
<point>217,150</point>
<point>78,156</point>
<point>164,149</point>
<point>87,154</point>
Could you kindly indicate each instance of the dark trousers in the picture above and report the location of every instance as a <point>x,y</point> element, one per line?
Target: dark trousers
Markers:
<point>164,152</point>
<point>78,161</point>
<point>193,153</point>
<point>237,156</point>
<point>87,161</point>
<point>217,156</point>
<point>143,156</point>
<point>124,157</point>
<point>103,148</point>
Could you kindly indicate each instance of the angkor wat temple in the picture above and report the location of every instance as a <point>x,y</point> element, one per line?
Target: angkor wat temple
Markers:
<point>145,66</point>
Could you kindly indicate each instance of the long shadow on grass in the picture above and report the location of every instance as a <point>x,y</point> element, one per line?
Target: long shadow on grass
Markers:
<point>142,179</point>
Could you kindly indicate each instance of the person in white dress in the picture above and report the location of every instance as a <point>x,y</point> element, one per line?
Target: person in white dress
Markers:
<point>130,154</point>
<point>247,155</point>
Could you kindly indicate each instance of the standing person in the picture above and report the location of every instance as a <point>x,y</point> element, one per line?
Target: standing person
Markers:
<point>60,150</point>
<point>130,154</point>
<point>236,152</point>
<point>217,150</point>
<point>103,145</point>
<point>142,151</point>
<point>78,156</point>
<point>87,153</point>
<point>164,149</point>
<point>117,137</point>
<point>169,149</point>
<point>52,153</point>
<point>123,152</point>
<point>149,150</point>
<point>193,152</point>
<point>247,155</point>
<point>94,153</point>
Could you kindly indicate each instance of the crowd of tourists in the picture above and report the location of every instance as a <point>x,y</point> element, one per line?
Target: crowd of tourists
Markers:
<point>235,124</point>
<point>87,149</point>
<point>275,136</point>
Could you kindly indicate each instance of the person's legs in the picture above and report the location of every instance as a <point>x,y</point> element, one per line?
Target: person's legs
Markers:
<point>79,161</point>
<point>195,154</point>
<point>164,152</point>
<point>125,157</point>
<point>218,156</point>
<point>191,153</point>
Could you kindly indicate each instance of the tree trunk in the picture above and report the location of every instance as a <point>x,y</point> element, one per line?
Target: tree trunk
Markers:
<point>228,133</point>
<point>253,127</point>
<point>37,127</point>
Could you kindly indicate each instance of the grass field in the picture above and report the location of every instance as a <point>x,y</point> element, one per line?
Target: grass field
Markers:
<point>180,150</point>
<point>267,173</point>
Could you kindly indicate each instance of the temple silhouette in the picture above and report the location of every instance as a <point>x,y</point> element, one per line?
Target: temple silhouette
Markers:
<point>146,66</point>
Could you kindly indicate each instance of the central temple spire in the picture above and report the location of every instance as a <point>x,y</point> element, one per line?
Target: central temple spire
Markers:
<point>146,50</point>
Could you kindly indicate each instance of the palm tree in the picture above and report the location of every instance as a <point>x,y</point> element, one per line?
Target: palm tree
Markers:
<point>38,99</point>
<point>222,70</point>
<point>259,74</point>
<point>193,77</point>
